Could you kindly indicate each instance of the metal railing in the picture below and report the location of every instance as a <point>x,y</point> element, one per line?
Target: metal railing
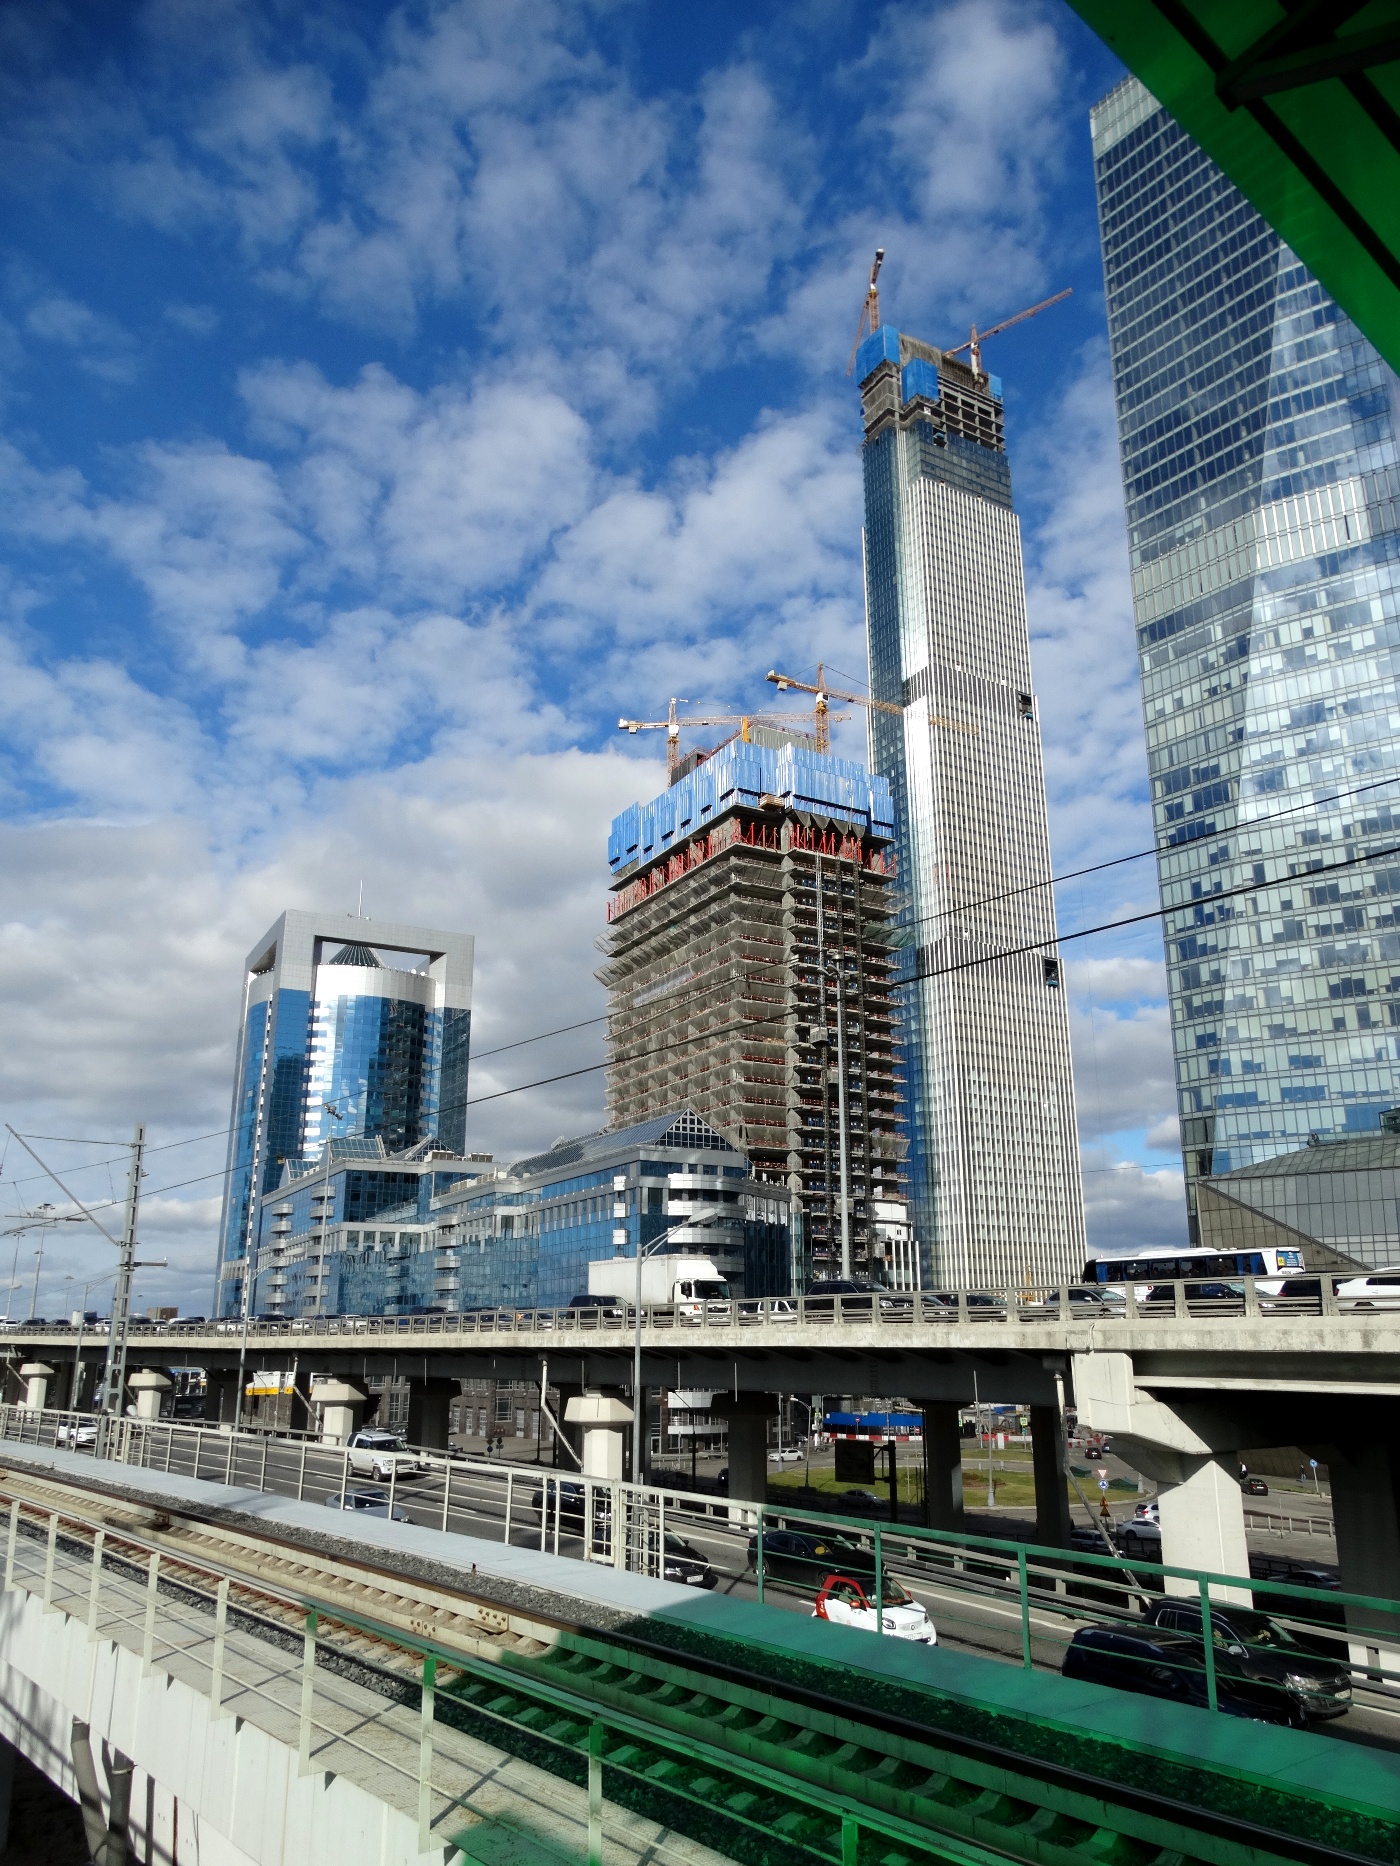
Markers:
<point>710,1751</point>
<point>1098,1303</point>
<point>1022,1603</point>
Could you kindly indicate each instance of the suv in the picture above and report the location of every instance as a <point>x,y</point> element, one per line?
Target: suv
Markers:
<point>857,1296</point>
<point>1255,1646</point>
<point>1161,1662</point>
<point>377,1453</point>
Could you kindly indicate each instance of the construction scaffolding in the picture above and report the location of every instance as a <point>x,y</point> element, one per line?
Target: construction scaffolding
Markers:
<point>721,999</point>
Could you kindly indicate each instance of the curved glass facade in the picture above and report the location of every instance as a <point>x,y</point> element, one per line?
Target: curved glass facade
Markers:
<point>1258,432</point>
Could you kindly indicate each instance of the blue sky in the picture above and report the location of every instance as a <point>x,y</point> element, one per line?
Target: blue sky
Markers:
<point>392,397</point>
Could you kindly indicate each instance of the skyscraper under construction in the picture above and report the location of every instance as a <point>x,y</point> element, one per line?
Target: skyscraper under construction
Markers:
<point>757,885</point>
<point>994,1162</point>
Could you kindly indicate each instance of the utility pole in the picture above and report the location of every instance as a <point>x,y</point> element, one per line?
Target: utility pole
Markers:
<point>114,1375</point>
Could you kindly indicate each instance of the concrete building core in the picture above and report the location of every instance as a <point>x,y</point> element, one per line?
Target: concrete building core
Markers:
<point>740,895</point>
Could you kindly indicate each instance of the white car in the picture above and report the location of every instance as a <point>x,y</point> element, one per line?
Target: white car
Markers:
<point>77,1434</point>
<point>377,1453</point>
<point>1379,1289</point>
<point>844,1602</point>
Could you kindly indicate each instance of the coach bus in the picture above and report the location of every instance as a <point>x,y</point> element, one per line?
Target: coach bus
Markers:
<point>1195,1265</point>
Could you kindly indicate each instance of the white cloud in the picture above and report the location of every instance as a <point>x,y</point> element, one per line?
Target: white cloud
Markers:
<point>1124,1079</point>
<point>194,320</point>
<point>1133,1207</point>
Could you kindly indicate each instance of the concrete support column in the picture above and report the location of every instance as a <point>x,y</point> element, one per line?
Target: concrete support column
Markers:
<point>340,1405</point>
<point>1203,1526</point>
<point>429,1412</point>
<point>605,1422</point>
<point>1052,1522</point>
<point>748,1415</point>
<point>148,1386</point>
<point>565,1394</point>
<point>1366,1510</point>
<point>221,1396</point>
<point>37,1374</point>
<point>7,1789</point>
<point>943,1475</point>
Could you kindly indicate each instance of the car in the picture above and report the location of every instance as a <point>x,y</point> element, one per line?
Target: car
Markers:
<point>842,1600</point>
<point>366,1503</point>
<point>375,1452</point>
<point>1087,1301</point>
<point>1259,1647</point>
<point>77,1434</point>
<point>1378,1289</point>
<point>1253,1486</point>
<point>858,1296</point>
<point>607,1308</point>
<point>1160,1662</point>
<point>1222,1294</point>
<point>785,1454</point>
<point>1292,1291</point>
<point>685,1564</point>
<point>1140,1538</point>
<point>568,1496</point>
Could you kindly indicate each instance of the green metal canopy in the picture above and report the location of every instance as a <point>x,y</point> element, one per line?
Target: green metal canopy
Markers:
<point>1298,101</point>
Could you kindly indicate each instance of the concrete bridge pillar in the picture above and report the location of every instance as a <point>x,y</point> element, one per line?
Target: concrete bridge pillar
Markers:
<point>605,1422</point>
<point>1052,1520</point>
<point>340,1405</point>
<point>1190,1449</point>
<point>943,1474</point>
<point>748,1415</point>
<point>37,1375</point>
<point>429,1412</point>
<point>1366,1511</point>
<point>221,1396</point>
<point>148,1386</point>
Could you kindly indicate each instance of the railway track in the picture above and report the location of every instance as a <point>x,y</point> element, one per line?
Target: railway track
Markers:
<point>758,1748</point>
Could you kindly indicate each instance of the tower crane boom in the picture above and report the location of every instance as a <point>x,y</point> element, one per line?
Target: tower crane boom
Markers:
<point>671,726</point>
<point>825,693</point>
<point>870,310</point>
<point>979,337</point>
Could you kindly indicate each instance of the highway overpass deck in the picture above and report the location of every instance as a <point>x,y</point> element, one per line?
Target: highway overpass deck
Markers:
<point>730,1727</point>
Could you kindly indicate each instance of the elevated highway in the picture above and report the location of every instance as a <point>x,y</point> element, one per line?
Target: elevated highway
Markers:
<point>1183,1385</point>
<point>380,1691</point>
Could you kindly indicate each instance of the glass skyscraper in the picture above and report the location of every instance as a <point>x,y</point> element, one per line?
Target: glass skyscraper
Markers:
<point>993,1155</point>
<point>338,1040</point>
<point>1257,429</point>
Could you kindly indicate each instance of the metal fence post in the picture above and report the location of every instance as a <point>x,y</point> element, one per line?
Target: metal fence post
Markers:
<point>308,1687</point>
<point>301,1473</point>
<point>49,1554</point>
<point>425,1754</point>
<point>262,1472</point>
<point>228,1468</point>
<point>1025,1603</point>
<point>850,1839</point>
<point>447,1496</point>
<point>148,1636</point>
<point>879,1584</point>
<point>95,1584</point>
<point>1208,1641</point>
<point>510,1499</point>
<point>616,1508</point>
<point>216,1670</point>
<point>393,1485</point>
<point>10,1545</point>
<point>758,1556</point>
<point>595,1794</point>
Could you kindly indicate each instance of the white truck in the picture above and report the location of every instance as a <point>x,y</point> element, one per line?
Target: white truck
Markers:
<point>375,1452</point>
<point>685,1283</point>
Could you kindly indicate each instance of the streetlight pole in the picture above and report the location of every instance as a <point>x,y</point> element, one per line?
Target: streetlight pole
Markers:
<point>45,1222</point>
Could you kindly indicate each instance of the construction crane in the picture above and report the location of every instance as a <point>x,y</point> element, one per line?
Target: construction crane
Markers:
<point>671,726</point>
<point>824,693</point>
<point>974,343</point>
<point>870,310</point>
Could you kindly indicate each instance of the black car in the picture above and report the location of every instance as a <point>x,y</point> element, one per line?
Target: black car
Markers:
<point>571,1501</point>
<point>609,1307</point>
<point>687,1565</point>
<point>1229,1293</point>
<point>1256,1646</point>
<point>1253,1486</point>
<point>1086,1301</point>
<point>1310,1603</point>
<point>808,1556</point>
<point>1160,1663</point>
<point>858,1297</point>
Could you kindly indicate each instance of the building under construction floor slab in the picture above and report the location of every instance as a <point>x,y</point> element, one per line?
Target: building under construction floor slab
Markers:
<point>742,894</point>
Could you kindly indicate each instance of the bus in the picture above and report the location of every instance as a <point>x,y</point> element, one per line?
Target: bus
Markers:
<point>1195,1265</point>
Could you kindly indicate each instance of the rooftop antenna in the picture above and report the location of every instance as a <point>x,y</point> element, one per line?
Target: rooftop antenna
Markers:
<point>870,310</point>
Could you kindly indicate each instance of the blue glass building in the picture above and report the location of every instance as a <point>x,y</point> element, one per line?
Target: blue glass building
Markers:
<point>993,1153</point>
<point>351,1028</point>
<point>1257,429</point>
<point>468,1235</point>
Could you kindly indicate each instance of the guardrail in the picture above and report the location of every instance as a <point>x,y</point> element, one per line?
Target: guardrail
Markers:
<point>1023,1603</point>
<point>1250,1297</point>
